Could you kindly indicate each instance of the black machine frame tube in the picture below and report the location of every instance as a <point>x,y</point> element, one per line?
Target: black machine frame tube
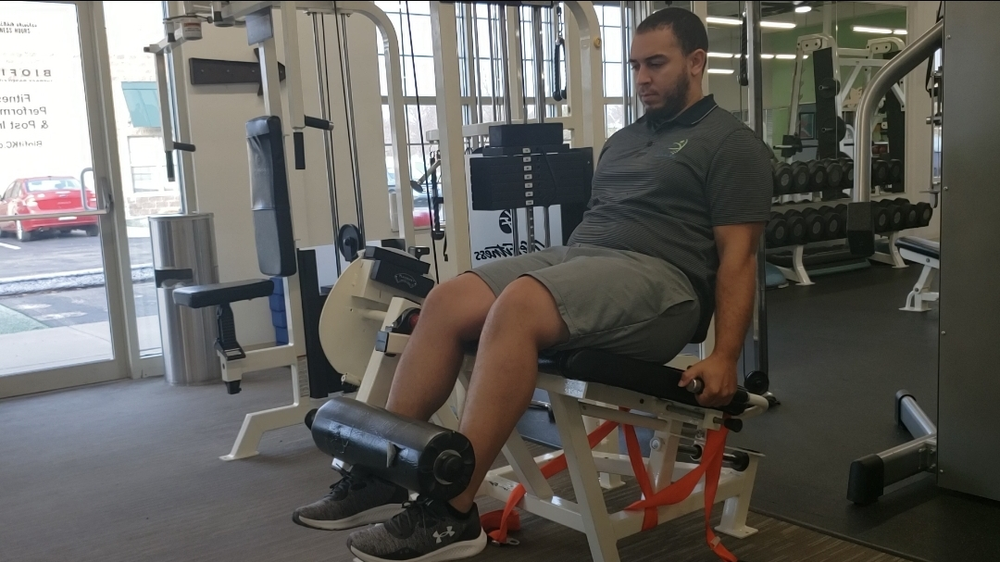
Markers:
<point>757,338</point>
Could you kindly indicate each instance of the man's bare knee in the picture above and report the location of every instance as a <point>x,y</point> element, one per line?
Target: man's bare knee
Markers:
<point>526,305</point>
<point>461,304</point>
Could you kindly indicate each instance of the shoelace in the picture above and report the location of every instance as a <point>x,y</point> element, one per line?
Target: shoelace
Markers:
<point>415,512</point>
<point>346,483</point>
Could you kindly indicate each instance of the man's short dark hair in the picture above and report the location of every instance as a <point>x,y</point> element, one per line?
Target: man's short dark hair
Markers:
<point>687,27</point>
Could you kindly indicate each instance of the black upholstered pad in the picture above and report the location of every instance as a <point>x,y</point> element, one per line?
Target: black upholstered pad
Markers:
<point>200,296</point>
<point>272,212</point>
<point>588,365</point>
<point>920,246</point>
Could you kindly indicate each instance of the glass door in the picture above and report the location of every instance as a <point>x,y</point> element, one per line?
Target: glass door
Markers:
<point>63,304</point>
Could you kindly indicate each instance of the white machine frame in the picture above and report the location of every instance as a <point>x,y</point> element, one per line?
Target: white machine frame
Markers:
<point>292,354</point>
<point>373,306</point>
<point>921,294</point>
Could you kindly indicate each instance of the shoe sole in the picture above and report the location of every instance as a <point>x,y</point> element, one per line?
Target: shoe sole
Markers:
<point>378,514</point>
<point>454,551</point>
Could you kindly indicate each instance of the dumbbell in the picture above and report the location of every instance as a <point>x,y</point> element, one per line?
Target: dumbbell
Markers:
<point>895,171</point>
<point>909,212</point>
<point>924,213</point>
<point>834,174</point>
<point>888,216</point>
<point>835,224</point>
<point>848,165</point>
<point>800,177</point>
<point>776,232</point>
<point>796,228</point>
<point>815,227</point>
<point>880,173</point>
<point>817,176</point>
<point>782,178</point>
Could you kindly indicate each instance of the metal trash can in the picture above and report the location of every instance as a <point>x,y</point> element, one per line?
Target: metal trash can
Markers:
<point>184,255</point>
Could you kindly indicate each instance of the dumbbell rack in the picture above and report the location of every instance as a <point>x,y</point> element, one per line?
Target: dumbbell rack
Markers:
<point>797,185</point>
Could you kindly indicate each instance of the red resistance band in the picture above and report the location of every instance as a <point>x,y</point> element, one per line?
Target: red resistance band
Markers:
<point>497,523</point>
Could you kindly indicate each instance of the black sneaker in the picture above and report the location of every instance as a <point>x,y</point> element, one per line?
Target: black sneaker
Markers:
<point>426,531</point>
<point>357,499</point>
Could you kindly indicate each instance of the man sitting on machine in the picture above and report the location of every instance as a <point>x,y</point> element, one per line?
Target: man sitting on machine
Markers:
<point>679,202</point>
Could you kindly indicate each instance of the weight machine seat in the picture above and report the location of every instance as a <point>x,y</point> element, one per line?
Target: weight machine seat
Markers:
<point>589,365</point>
<point>200,296</point>
<point>920,246</point>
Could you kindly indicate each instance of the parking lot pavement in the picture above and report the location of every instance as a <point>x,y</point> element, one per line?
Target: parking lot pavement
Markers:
<point>79,306</point>
<point>57,254</point>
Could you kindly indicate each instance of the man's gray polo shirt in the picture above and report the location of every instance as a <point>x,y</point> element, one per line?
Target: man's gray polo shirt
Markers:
<point>660,188</point>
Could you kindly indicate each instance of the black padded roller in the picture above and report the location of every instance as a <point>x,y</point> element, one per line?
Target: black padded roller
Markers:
<point>419,456</point>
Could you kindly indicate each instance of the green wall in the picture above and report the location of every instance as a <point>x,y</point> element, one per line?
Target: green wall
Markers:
<point>782,70</point>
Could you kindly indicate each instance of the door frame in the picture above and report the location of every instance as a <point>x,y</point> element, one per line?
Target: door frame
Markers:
<point>126,360</point>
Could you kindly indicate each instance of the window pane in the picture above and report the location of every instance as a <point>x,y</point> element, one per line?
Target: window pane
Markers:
<point>613,118</point>
<point>425,75</point>
<point>613,79</point>
<point>427,119</point>
<point>610,16</point>
<point>386,127</point>
<point>485,78</point>
<point>612,43</point>
<point>382,77</point>
<point>421,26</point>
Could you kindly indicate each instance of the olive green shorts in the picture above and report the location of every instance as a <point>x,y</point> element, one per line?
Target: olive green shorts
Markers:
<point>612,300</point>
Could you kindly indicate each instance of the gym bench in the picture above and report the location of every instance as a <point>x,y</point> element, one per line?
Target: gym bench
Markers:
<point>928,253</point>
<point>581,384</point>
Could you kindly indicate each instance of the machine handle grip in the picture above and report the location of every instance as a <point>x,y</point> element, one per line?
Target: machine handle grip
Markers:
<point>317,123</point>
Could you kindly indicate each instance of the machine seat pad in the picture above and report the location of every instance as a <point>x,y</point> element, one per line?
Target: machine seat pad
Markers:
<point>200,296</point>
<point>589,365</point>
<point>920,246</point>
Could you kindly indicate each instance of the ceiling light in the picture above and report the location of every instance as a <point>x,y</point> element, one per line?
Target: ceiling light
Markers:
<point>803,9</point>
<point>720,71</point>
<point>735,21</point>
<point>720,55</point>
<point>785,57</point>
<point>723,21</point>
<point>899,32</point>
<point>864,29</point>
<point>766,57</point>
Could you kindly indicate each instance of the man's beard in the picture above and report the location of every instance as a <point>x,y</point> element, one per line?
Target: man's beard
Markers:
<point>673,103</point>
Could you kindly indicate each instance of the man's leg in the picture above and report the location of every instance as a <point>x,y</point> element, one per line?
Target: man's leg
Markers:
<point>452,316</point>
<point>524,320</point>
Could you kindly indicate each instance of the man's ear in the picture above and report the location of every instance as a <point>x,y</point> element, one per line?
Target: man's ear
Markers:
<point>697,61</point>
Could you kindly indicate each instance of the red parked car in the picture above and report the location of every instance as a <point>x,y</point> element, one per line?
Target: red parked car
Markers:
<point>45,195</point>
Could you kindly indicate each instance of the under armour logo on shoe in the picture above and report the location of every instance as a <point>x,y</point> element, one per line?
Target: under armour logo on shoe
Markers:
<point>447,533</point>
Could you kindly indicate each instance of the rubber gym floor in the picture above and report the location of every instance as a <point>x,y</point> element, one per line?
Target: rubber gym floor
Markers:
<point>130,471</point>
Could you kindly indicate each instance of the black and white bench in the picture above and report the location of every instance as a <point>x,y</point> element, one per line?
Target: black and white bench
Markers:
<point>928,253</point>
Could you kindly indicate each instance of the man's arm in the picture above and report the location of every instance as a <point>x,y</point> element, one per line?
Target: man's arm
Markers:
<point>735,290</point>
<point>735,287</point>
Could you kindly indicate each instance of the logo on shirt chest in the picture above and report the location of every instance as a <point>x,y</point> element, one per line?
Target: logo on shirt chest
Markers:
<point>678,146</point>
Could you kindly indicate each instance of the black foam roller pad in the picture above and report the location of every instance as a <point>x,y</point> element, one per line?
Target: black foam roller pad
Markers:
<point>419,456</point>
